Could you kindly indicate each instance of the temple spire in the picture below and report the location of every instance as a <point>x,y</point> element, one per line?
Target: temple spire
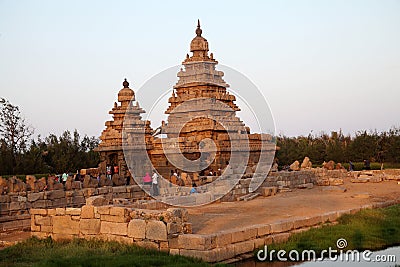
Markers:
<point>198,30</point>
<point>125,84</point>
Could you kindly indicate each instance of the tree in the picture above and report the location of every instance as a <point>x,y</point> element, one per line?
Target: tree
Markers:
<point>14,133</point>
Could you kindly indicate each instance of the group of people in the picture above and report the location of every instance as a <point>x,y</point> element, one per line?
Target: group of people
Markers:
<point>175,178</point>
<point>111,169</point>
<point>153,181</point>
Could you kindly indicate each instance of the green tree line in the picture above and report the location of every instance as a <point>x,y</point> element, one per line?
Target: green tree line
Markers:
<point>22,154</point>
<point>364,145</point>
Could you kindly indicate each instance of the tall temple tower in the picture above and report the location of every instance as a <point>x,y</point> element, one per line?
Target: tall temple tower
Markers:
<point>200,109</point>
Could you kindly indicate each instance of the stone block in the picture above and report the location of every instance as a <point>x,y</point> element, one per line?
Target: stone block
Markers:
<point>223,238</point>
<point>65,225</point>
<point>34,227</point>
<point>266,191</point>
<point>258,242</point>
<point>96,201</point>
<point>4,198</point>
<point>59,202</point>
<point>120,239</point>
<point>39,204</point>
<point>87,212</point>
<point>38,212</point>
<point>207,255</point>
<point>244,234</point>
<point>197,242</point>
<point>114,228</point>
<point>148,244</point>
<point>156,230</point>
<point>60,211</point>
<point>42,220</point>
<point>88,192</point>
<point>119,189</point>
<point>110,218</point>
<point>173,251</point>
<point>59,237</point>
<point>55,194</point>
<point>282,226</point>
<point>73,211</point>
<point>89,226</point>
<point>46,228</point>
<point>40,235</point>
<point>104,190</point>
<point>243,247</point>
<point>279,238</point>
<point>263,230</point>
<point>119,211</point>
<point>174,228</point>
<point>137,229</point>
<point>164,246</point>
<point>14,206</point>
<point>35,196</point>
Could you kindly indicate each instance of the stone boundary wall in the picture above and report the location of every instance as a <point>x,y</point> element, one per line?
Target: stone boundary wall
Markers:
<point>16,206</point>
<point>145,228</point>
<point>241,243</point>
<point>169,231</point>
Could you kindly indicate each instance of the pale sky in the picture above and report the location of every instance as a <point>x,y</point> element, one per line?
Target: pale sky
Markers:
<point>321,65</point>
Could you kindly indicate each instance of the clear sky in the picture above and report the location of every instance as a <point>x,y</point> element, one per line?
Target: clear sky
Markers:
<point>322,65</point>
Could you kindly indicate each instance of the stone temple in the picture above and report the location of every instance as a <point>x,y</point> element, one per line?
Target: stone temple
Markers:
<point>202,134</point>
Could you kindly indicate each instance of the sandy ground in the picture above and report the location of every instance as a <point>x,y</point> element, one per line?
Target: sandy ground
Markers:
<point>298,203</point>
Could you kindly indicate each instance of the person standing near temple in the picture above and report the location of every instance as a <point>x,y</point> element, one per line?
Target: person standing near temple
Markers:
<point>154,183</point>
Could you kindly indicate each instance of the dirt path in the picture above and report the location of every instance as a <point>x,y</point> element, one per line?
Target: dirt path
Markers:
<point>298,203</point>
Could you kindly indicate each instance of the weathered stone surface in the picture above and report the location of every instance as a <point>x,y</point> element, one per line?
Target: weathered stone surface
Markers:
<point>156,230</point>
<point>263,230</point>
<point>38,212</point>
<point>119,211</point>
<point>114,228</point>
<point>137,229</point>
<point>243,247</point>
<point>104,181</point>
<point>295,166</point>
<point>89,182</point>
<point>282,226</point>
<point>245,234</point>
<point>73,211</point>
<point>198,242</point>
<point>223,238</point>
<point>279,238</point>
<point>306,164</point>
<point>55,194</point>
<point>330,165</point>
<point>89,226</point>
<point>65,225</point>
<point>97,201</point>
<point>87,212</point>
<point>112,218</point>
<point>43,220</point>
<point>118,180</point>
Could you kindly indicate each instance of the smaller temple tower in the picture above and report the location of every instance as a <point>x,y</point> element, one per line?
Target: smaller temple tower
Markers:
<point>126,117</point>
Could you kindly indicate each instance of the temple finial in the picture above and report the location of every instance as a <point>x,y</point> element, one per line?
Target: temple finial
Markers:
<point>125,84</point>
<point>198,30</point>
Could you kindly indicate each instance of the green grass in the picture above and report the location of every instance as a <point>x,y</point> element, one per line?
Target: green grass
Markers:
<point>373,229</point>
<point>79,252</point>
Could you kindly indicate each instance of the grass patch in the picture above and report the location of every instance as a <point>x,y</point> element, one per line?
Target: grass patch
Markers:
<point>372,229</point>
<point>79,252</point>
